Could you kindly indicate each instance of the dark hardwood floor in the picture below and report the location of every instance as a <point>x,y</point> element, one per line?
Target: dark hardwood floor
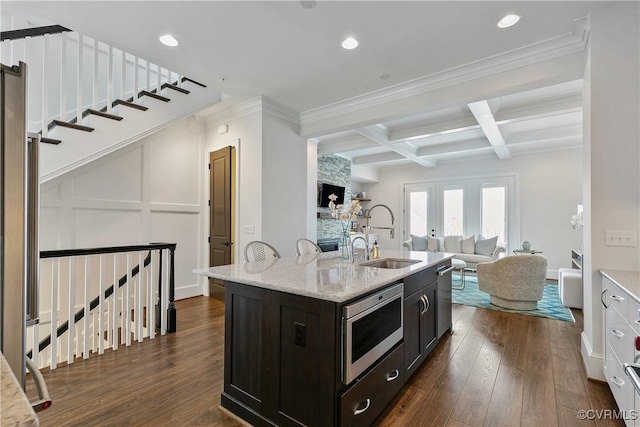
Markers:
<point>495,369</point>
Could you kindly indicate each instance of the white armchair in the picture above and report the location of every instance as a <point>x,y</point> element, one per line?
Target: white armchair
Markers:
<point>515,282</point>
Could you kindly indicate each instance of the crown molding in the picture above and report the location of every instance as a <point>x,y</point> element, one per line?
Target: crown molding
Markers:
<point>233,112</point>
<point>249,107</point>
<point>283,112</point>
<point>560,46</point>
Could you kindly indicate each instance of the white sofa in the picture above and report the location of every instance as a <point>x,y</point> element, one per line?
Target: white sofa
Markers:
<point>471,250</point>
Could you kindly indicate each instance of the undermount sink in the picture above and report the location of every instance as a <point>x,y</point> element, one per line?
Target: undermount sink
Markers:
<point>390,263</point>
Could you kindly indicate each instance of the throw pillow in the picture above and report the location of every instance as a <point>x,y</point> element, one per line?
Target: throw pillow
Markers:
<point>419,243</point>
<point>468,245</point>
<point>432,244</point>
<point>486,246</point>
<point>452,244</point>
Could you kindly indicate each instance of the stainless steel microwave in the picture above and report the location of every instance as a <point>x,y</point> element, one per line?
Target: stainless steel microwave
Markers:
<point>371,326</point>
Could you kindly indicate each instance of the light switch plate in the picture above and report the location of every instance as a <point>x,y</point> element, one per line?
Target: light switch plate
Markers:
<point>249,229</point>
<point>620,238</point>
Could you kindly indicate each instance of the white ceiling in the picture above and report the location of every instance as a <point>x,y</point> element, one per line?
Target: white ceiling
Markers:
<point>292,55</point>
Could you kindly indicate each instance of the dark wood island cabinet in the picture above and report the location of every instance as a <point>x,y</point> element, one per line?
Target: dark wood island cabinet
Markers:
<point>283,362</point>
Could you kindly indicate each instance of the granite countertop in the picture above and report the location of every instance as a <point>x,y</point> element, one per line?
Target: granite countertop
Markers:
<point>15,409</point>
<point>323,276</point>
<point>629,280</point>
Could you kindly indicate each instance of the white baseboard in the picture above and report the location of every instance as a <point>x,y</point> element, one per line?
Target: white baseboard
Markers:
<point>592,361</point>
<point>188,291</point>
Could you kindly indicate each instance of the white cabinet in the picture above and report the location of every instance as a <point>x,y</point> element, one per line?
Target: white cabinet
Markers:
<point>620,331</point>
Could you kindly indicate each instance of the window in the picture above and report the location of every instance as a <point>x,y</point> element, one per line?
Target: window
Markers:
<point>418,213</point>
<point>453,213</point>
<point>463,207</point>
<point>494,213</point>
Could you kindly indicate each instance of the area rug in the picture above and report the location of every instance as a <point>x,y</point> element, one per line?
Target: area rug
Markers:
<point>549,306</point>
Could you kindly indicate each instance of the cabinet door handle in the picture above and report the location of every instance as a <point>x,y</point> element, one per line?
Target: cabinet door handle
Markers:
<point>617,381</point>
<point>602,298</point>
<point>616,298</point>
<point>637,322</point>
<point>616,333</point>
<point>426,298</point>
<point>443,272</point>
<point>422,300</point>
<point>393,375</point>
<point>359,411</point>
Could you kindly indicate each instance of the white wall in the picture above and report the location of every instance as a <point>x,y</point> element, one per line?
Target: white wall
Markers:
<point>548,189</point>
<point>284,184</point>
<point>245,135</point>
<point>149,191</point>
<point>274,168</point>
<point>612,158</point>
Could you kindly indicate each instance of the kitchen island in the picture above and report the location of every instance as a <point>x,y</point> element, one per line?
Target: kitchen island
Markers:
<point>290,355</point>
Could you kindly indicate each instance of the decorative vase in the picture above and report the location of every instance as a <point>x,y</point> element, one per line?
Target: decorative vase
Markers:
<point>344,245</point>
<point>526,245</point>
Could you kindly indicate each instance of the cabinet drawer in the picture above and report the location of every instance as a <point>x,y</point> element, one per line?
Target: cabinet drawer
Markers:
<point>620,336</point>
<point>363,402</point>
<point>620,385</point>
<point>634,315</point>
<point>419,280</point>
<point>615,297</point>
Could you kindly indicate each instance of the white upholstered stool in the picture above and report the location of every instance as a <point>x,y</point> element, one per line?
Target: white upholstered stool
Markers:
<point>570,287</point>
<point>459,265</point>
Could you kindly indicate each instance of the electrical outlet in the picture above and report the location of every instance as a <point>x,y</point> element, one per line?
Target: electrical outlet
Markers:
<point>300,334</point>
<point>620,238</point>
<point>249,229</point>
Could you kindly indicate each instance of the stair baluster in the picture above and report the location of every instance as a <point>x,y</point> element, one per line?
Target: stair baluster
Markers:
<point>125,310</point>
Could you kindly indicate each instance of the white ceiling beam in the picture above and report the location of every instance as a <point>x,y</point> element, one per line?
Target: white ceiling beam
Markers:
<point>425,131</point>
<point>345,145</point>
<point>541,109</point>
<point>378,135</point>
<point>557,133</point>
<point>483,114</point>
<point>531,147</point>
<point>370,159</point>
<point>452,148</point>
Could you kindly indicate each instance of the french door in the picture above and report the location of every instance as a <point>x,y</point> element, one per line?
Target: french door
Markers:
<point>463,207</point>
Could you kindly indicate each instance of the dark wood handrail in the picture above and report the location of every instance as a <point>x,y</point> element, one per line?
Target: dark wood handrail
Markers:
<point>61,253</point>
<point>32,32</point>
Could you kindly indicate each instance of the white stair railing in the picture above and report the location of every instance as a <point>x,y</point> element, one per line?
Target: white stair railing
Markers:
<point>70,72</point>
<point>97,299</point>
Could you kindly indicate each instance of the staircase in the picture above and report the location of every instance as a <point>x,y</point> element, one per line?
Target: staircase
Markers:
<point>87,99</point>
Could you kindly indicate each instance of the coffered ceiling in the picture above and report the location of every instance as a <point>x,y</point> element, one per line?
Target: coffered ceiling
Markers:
<point>544,119</point>
<point>430,82</point>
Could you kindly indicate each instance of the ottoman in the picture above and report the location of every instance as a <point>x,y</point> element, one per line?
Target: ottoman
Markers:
<point>570,287</point>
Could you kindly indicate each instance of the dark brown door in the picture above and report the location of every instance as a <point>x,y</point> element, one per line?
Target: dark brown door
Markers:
<point>220,216</point>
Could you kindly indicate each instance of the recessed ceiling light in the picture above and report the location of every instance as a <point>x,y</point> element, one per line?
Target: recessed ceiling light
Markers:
<point>508,21</point>
<point>350,43</point>
<point>169,40</point>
